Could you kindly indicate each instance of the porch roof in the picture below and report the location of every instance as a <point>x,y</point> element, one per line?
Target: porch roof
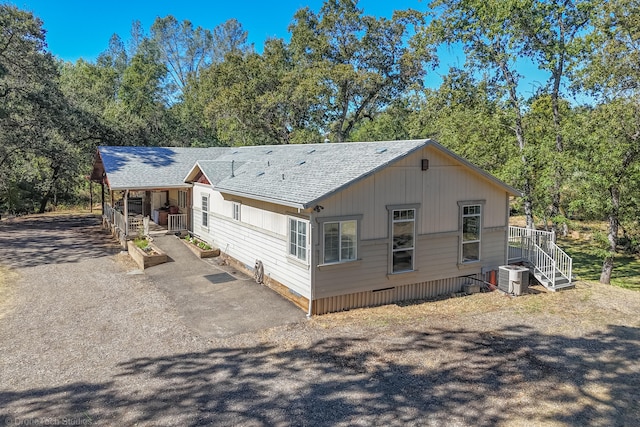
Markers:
<point>143,168</point>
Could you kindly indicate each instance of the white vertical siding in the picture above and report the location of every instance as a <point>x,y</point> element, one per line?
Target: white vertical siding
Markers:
<point>260,235</point>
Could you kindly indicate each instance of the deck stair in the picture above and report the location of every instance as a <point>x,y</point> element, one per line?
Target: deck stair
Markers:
<point>549,264</point>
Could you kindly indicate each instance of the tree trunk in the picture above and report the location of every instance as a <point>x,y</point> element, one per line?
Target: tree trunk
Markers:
<point>558,175</point>
<point>612,236</point>
<point>510,79</point>
<point>49,194</point>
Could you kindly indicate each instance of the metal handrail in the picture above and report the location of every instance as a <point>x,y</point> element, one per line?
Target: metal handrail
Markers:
<point>528,243</point>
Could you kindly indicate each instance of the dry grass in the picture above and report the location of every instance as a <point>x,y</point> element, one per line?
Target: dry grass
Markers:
<point>564,358</point>
<point>589,303</point>
<point>7,278</point>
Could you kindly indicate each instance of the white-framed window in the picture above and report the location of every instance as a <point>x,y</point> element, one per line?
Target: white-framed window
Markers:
<point>236,211</point>
<point>182,199</point>
<point>403,239</point>
<point>470,231</point>
<point>340,241</point>
<point>205,211</point>
<point>298,238</point>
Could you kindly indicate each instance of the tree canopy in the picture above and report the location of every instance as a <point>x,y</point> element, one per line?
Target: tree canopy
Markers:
<point>344,75</point>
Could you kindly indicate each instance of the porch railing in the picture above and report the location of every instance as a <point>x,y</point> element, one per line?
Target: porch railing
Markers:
<point>539,249</point>
<point>137,224</point>
<point>177,222</point>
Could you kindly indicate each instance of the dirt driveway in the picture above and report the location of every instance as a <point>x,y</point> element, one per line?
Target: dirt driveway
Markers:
<point>85,343</point>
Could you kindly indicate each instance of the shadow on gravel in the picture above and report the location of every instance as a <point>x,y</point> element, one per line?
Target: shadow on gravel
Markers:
<point>592,380</point>
<point>37,240</point>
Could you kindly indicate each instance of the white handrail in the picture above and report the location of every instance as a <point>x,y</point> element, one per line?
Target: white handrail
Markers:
<point>177,222</point>
<point>528,244</point>
<point>543,263</point>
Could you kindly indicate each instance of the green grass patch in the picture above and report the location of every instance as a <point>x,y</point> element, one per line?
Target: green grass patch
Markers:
<point>587,263</point>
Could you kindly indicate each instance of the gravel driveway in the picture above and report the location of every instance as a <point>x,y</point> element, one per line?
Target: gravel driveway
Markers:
<point>85,343</point>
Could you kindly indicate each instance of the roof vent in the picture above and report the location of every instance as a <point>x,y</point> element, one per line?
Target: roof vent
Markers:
<point>380,150</point>
<point>234,152</point>
<point>311,151</point>
<point>269,152</point>
<point>260,174</point>
<point>301,163</point>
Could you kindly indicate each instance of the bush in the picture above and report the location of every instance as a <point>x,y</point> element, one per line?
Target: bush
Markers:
<point>199,243</point>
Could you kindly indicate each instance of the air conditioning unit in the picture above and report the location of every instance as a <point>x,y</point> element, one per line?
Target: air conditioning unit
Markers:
<point>513,279</point>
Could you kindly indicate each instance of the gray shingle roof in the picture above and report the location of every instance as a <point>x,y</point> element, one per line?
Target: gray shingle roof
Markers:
<point>151,167</point>
<point>300,175</point>
<point>292,175</point>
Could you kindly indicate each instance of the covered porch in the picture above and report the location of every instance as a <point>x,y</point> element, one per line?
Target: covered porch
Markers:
<point>130,213</point>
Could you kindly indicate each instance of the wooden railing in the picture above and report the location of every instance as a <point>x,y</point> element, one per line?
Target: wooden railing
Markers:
<point>137,224</point>
<point>539,249</point>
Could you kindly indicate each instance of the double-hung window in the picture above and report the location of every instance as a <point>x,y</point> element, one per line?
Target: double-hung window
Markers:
<point>340,241</point>
<point>205,211</point>
<point>298,237</point>
<point>182,199</point>
<point>236,211</point>
<point>403,235</point>
<point>471,228</point>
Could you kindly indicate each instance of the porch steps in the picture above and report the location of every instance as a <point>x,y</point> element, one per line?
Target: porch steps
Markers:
<point>562,282</point>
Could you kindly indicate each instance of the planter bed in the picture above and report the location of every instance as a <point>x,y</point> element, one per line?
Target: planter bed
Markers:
<point>201,253</point>
<point>145,259</point>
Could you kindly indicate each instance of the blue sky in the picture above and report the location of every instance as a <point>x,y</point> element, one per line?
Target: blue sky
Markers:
<point>81,29</point>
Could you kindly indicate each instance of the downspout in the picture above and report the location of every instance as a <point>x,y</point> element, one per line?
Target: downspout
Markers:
<point>507,232</point>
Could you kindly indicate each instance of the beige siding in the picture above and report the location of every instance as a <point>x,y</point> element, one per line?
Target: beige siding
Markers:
<point>436,258</point>
<point>438,191</point>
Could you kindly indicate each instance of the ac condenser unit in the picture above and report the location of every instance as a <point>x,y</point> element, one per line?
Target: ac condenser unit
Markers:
<point>513,279</point>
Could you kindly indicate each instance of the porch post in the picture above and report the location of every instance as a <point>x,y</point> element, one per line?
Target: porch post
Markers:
<point>126,212</point>
<point>102,189</point>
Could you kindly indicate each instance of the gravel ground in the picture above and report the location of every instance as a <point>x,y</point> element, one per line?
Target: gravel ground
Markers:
<point>85,343</point>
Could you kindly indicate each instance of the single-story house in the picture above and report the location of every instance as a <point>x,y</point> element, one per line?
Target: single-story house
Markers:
<point>330,226</point>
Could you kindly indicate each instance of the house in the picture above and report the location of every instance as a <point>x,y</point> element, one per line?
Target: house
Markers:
<point>329,226</point>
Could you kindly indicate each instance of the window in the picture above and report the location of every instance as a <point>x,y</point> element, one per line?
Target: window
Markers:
<point>403,231</point>
<point>340,241</point>
<point>205,211</point>
<point>471,232</point>
<point>298,238</point>
<point>182,199</point>
<point>236,211</point>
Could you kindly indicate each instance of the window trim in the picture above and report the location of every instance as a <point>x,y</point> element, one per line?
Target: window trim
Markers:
<point>461,216</point>
<point>391,209</point>
<point>236,211</point>
<point>182,199</point>
<point>299,250</point>
<point>340,219</point>
<point>204,208</point>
